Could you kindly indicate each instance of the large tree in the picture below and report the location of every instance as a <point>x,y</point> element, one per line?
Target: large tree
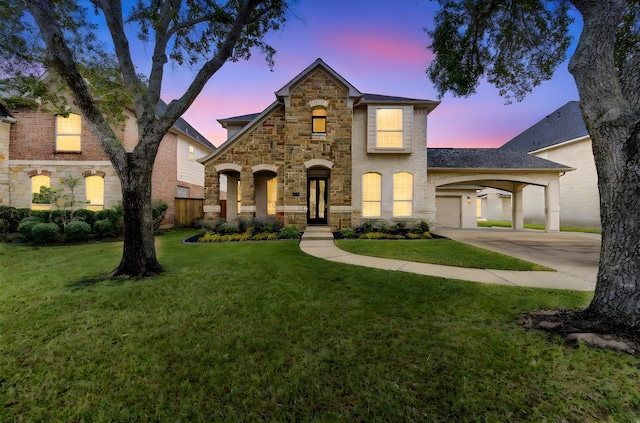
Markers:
<point>517,44</point>
<point>58,36</point>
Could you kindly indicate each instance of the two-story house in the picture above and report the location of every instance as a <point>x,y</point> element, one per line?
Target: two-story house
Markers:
<point>38,149</point>
<point>325,153</point>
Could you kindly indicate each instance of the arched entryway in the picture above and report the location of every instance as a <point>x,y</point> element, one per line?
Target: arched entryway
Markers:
<point>318,195</point>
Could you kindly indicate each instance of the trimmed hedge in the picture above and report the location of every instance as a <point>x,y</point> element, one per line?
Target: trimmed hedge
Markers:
<point>77,231</point>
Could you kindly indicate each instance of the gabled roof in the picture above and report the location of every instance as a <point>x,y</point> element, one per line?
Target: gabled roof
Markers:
<point>250,120</point>
<point>564,124</point>
<point>238,120</point>
<point>381,99</point>
<point>185,128</point>
<point>487,159</point>
<point>284,91</point>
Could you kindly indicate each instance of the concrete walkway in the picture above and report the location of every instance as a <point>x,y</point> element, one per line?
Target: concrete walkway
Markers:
<point>317,241</point>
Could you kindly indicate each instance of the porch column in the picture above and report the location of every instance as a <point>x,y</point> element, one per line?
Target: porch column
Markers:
<point>552,206</point>
<point>232,198</point>
<point>517,220</point>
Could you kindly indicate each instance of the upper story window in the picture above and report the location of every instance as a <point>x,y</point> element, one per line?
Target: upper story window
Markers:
<point>68,132</point>
<point>192,153</point>
<point>389,129</point>
<point>40,193</point>
<point>319,121</point>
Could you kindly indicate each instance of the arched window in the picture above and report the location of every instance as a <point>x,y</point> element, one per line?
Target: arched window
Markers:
<point>94,192</point>
<point>41,198</point>
<point>402,194</point>
<point>371,194</point>
<point>319,120</point>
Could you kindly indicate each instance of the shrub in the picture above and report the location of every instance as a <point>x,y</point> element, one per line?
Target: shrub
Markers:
<point>202,224</point>
<point>77,231</point>
<point>421,228</point>
<point>4,226</point>
<point>114,215</point>
<point>60,217</point>
<point>289,232</point>
<point>45,215</point>
<point>12,217</point>
<point>374,235</point>
<point>265,236</point>
<point>159,211</point>
<point>224,228</point>
<point>104,228</point>
<point>85,215</point>
<point>45,232</point>
<point>348,233</point>
<point>26,225</point>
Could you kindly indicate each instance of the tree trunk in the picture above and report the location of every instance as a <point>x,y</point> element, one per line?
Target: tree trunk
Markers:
<point>613,122</point>
<point>139,252</point>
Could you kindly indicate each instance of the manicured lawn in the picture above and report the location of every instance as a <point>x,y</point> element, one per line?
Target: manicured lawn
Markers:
<point>262,332</point>
<point>436,251</point>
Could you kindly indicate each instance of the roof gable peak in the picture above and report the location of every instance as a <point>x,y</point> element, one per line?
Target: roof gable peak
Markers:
<point>319,63</point>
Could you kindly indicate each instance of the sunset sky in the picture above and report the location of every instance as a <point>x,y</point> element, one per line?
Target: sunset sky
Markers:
<point>380,47</point>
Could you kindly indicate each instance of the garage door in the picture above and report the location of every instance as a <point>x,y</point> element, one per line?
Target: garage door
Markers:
<point>448,212</point>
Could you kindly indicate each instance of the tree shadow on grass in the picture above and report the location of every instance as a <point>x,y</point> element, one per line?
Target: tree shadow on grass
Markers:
<point>106,278</point>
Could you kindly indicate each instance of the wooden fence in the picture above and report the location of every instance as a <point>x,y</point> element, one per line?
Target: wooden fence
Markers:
<point>187,211</point>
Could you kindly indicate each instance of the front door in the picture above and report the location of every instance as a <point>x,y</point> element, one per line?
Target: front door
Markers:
<point>317,200</point>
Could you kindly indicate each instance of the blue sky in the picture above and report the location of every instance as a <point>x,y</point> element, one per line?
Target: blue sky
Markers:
<point>380,47</point>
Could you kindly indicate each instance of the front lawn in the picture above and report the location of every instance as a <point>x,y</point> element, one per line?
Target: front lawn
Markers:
<point>437,251</point>
<point>263,332</point>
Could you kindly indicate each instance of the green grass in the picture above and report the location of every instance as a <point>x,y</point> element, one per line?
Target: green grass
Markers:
<point>507,224</point>
<point>262,332</point>
<point>437,251</point>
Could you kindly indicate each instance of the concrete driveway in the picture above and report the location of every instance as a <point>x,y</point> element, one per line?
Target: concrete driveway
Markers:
<point>573,253</point>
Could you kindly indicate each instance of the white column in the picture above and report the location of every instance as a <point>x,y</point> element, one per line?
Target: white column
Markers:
<point>517,220</point>
<point>552,206</point>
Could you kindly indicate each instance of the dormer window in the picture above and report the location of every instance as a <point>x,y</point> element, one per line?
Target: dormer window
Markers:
<point>319,120</point>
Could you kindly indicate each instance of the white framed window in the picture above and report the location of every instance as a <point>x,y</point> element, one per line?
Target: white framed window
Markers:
<point>94,192</point>
<point>402,194</point>
<point>371,194</point>
<point>389,129</point>
<point>68,133</point>
<point>39,199</point>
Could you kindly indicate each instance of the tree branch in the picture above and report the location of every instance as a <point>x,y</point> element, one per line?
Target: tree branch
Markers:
<point>60,58</point>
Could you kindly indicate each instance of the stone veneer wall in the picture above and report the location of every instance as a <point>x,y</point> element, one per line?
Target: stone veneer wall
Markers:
<point>284,139</point>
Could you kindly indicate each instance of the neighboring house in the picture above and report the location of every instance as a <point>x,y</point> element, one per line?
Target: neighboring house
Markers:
<point>562,137</point>
<point>40,148</point>
<point>325,153</point>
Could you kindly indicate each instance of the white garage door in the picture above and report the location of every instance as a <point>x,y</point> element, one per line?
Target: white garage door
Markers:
<point>448,212</point>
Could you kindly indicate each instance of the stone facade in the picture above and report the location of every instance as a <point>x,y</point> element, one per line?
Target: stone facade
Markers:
<point>280,143</point>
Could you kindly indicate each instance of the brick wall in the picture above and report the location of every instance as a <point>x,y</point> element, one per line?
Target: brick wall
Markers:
<point>165,182</point>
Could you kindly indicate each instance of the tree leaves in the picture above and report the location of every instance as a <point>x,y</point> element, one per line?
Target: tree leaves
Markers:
<point>514,44</point>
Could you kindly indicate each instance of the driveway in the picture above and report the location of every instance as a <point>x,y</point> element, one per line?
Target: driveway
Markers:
<point>573,253</point>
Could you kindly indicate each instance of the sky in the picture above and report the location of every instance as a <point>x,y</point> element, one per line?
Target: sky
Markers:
<point>380,47</point>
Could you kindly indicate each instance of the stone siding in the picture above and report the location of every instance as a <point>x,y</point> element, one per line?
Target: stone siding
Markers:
<point>284,139</point>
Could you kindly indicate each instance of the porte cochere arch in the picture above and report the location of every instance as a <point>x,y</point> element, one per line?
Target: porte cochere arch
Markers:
<point>454,175</point>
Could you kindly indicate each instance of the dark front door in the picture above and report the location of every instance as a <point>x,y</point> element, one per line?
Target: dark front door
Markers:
<point>317,200</point>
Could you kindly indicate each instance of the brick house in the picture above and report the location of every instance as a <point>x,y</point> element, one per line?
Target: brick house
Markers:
<point>325,153</point>
<point>39,148</point>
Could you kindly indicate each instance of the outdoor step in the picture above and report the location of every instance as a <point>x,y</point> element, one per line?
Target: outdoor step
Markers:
<point>317,233</point>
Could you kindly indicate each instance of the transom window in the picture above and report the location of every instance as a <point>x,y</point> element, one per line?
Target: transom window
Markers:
<point>68,132</point>
<point>371,194</point>
<point>319,121</point>
<point>402,194</point>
